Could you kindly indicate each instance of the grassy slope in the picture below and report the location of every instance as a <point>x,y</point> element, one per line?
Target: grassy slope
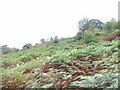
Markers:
<point>67,64</point>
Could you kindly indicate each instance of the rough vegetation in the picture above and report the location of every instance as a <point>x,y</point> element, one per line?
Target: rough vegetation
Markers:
<point>89,62</point>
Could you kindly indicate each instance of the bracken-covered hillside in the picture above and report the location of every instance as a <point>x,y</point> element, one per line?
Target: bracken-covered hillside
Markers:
<point>67,64</point>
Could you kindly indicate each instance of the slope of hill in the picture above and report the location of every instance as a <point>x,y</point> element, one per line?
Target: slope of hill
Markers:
<point>67,64</point>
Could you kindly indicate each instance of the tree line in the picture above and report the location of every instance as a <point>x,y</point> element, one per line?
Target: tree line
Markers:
<point>6,50</point>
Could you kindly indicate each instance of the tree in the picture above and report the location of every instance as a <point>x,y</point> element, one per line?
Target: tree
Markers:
<point>111,25</point>
<point>96,23</point>
<point>42,40</point>
<point>108,26</point>
<point>6,49</point>
<point>113,19</point>
<point>87,24</point>
<point>27,46</point>
<point>83,25</point>
<point>15,49</point>
<point>51,38</point>
<point>56,39</point>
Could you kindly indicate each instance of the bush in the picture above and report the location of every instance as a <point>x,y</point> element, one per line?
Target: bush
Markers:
<point>27,46</point>
<point>108,26</point>
<point>89,37</point>
<point>78,36</point>
<point>111,26</point>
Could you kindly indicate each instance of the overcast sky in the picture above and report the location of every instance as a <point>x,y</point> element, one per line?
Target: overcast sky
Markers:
<point>27,21</point>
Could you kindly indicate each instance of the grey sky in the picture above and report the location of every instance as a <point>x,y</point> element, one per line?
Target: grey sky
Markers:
<point>27,21</point>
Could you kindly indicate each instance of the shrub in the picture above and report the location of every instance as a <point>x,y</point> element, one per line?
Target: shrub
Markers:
<point>111,26</point>
<point>78,36</point>
<point>89,37</point>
